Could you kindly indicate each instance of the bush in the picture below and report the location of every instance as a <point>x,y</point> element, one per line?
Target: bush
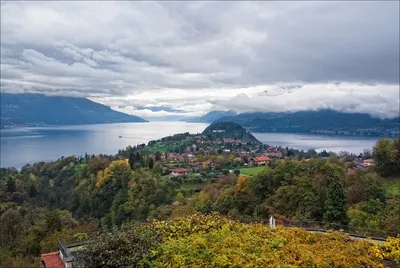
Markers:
<point>390,249</point>
<point>121,248</point>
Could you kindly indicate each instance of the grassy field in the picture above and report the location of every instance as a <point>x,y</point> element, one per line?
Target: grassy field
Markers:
<point>251,171</point>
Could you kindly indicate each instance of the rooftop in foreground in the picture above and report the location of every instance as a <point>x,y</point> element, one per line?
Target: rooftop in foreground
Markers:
<point>52,260</point>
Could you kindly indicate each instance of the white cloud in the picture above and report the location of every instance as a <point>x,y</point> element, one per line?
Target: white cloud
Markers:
<point>198,56</point>
<point>377,100</point>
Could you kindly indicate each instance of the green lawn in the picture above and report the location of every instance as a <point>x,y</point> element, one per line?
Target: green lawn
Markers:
<point>251,171</point>
<point>392,188</point>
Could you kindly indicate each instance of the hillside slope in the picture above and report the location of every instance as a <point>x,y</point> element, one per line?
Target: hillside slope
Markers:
<point>229,130</point>
<point>38,110</point>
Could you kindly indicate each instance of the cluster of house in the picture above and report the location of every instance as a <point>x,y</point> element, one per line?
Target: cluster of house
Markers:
<point>361,165</point>
<point>260,160</point>
<point>365,164</point>
<point>196,167</point>
<point>228,141</point>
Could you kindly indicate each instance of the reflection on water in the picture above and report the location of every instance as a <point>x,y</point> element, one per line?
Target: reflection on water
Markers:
<point>20,146</point>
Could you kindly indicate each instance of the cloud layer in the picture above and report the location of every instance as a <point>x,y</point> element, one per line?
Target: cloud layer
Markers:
<point>196,56</point>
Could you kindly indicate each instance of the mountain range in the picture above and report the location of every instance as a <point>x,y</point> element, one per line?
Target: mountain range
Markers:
<point>320,121</point>
<point>41,110</point>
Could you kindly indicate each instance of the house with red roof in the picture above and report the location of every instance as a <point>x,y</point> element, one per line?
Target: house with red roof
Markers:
<point>260,160</point>
<point>52,260</point>
<point>59,259</point>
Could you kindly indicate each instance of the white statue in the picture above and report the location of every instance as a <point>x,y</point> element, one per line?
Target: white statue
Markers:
<point>272,222</point>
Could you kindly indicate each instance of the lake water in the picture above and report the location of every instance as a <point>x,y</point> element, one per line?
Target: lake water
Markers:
<point>20,146</point>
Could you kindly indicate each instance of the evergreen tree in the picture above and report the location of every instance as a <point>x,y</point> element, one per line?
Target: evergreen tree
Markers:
<point>32,191</point>
<point>151,163</point>
<point>131,159</point>
<point>11,186</point>
<point>138,160</point>
<point>335,203</point>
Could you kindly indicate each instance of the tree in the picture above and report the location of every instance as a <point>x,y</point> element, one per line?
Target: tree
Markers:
<point>363,187</point>
<point>138,162</point>
<point>324,153</point>
<point>131,160</point>
<point>311,153</point>
<point>11,186</point>
<point>53,221</point>
<point>158,156</point>
<point>151,163</point>
<point>120,248</point>
<point>179,197</point>
<point>367,154</point>
<point>32,191</point>
<point>12,227</point>
<point>335,203</point>
<point>157,168</point>
<point>385,156</point>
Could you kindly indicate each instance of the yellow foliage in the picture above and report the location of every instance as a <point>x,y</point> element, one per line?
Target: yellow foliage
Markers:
<point>215,241</point>
<point>242,185</point>
<point>391,249</point>
<point>181,211</point>
<point>104,175</point>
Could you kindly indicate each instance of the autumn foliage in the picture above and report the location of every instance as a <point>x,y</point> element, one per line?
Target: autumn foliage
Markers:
<point>215,241</point>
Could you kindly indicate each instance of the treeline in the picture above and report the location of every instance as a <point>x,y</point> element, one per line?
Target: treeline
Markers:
<point>72,196</point>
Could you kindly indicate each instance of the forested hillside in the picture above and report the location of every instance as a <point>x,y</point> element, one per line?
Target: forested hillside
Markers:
<point>322,122</point>
<point>74,197</point>
<point>229,130</point>
<point>39,110</point>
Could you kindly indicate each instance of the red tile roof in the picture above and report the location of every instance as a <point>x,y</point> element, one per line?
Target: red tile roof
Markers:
<point>52,260</point>
<point>261,158</point>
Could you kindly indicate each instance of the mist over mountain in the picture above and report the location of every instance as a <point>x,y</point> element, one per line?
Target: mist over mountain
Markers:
<point>210,117</point>
<point>38,110</point>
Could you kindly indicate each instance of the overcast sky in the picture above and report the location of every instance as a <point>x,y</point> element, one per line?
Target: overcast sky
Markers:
<point>193,57</point>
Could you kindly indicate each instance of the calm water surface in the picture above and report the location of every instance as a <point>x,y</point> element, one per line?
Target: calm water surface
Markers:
<point>318,142</point>
<point>20,146</point>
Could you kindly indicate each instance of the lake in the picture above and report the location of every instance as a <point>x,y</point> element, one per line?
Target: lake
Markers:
<point>20,146</point>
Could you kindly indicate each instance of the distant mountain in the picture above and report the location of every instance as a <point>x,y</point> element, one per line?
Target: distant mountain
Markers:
<point>229,130</point>
<point>39,110</point>
<point>322,122</point>
<point>210,117</point>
